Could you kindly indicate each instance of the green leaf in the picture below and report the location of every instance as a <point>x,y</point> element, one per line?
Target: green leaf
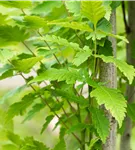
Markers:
<point>16,4</point>
<point>18,107</point>
<point>101,123</point>
<point>34,22</point>
<point>131,111</point>
<point>35,109</point>
<point>113,100</point>
<point>115,4</point>
<point>5,54</point>
<point>9,147</point>
<point>122,66</point>
<point>73,7</point>
<point>6,74</point>
<point>12,34</point>
<point>92,143</point>
<point>73,25</point>
<point>24,65</point>
<point>81,57</point>
<point>12,93</point>
<point>3,19</point>
<point>14,138</point>
<point>70,76</point>
<point>5,126</point>
<point>76,128</point>
<point>31,144</point>
<point>46,7</point>
<point>61,145</point>
<point>69,95</point>
<point>48,120</point>
<point>93,10</point>
<point>58,40</point>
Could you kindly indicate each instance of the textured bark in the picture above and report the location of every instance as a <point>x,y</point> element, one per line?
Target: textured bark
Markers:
<point>108,74</point>
<point>125,139</point>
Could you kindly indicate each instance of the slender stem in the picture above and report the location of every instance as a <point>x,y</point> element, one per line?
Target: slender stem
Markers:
<point>49,48</point>
<point>46,103</point>
<point>29,48</point>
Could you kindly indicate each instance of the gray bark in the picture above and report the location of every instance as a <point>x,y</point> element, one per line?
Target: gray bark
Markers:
<point>108,73</point>
<point>130,90</point>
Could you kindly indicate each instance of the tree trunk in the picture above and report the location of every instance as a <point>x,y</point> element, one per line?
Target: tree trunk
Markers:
<point>126,137</point>
<point>108,73</point>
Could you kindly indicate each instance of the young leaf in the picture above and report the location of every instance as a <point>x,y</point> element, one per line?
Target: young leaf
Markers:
<point>46,7</point>
<point>16,4</point>
<point>14,138</point>
<point>69,95</point>
<point>93,10</point>
<point>81,57</point>
<point>123,66</point>
<point>9,147</point>
<point>73,7</point>
<point>30,144</point>
<point>101,123</point>
<point>21,106</point>
<point>70,76</point>
<point>61,145</point>
<point>76,128</point>
<point>35,109</point>
<point>58,40</point>
<point>24,65</point>
<point>131,111</point>
<point>6,74</point>
<point>34,22</point>
<point>92,143</point>
<point>48,120</point>
<point>113,101</point>
<point>3,19</point>
<point>72,25</point>
<point>12,34</point>
<point>12,93</point>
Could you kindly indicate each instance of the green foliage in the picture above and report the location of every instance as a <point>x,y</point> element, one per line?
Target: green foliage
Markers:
<point>12,34</point>
<point>48,120</point>
<point>81,57</point>
<point>113,100</point>
<point>70,76</point>
<point>61,42</point>
<point>3,19</point>
<point>29,143</point>
<point>73,7</point>
<point>60,146</point>
<point>35,109</point>
<point>79,127</point>
<point>24,65</point>
<point>123,66</point>
<point>12,93</point>
<point>16,4</point>
<point>72,25</point>
<point>19,107</point>
<point>14,138</point>
<point>34,22</point>
<point>94,11</point>
<point>46,7</point>
<point>101,123</point>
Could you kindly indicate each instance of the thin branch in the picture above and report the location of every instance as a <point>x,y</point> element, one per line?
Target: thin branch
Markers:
<point>29,49</point>
<point>46,103</point>
<point>49,48</point>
